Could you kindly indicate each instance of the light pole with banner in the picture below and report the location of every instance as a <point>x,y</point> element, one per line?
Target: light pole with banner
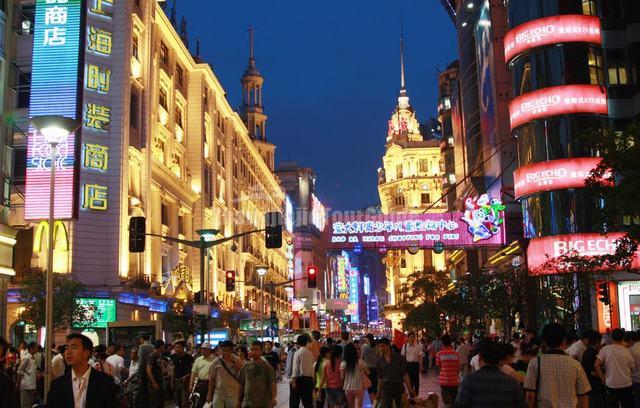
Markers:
<point>55,130</point>
<point>261,271</point>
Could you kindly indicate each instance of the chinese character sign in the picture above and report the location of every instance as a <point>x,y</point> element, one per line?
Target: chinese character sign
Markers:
<point>54,91</point>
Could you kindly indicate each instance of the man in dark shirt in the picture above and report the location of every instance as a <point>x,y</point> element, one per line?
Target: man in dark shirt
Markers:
<point>155,375</point>
<point>392,374</point>
<point>271,356</point>
<point>182,363</point>
<point>598,391</point>
<point>489,387</point>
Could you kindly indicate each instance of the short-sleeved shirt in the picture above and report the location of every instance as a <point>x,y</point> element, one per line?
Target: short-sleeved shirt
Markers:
<point>562,380</point>
<point>576,350</point>
<point>226,378</point>
<point>333,375</point>
<point>201,367</point>
<point>618,365</point>
<point>489,388</point>
<point>181,365</point>
<point>353,379</point>
<point>370,355</point>
<point>272,358</point>
<point>449,362</point>
<point>635,352</point>
<point>257,379</point>
<point>412,353</point>
<point>392,372</point>
<point>154,361</point>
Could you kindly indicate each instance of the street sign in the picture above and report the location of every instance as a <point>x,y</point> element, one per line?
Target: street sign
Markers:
<point>271,331</point>
<point>438,247</point>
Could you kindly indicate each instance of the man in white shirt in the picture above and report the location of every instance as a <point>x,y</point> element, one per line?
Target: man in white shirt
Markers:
<point>27,376</point>
<point>412,353</point>
<point>57,363</point>
<point>577,349</point>
<point>302,375</point>
<point>618,364</point>
<point>117,364</point>
<point>463,350</point>
<point>634,337</point>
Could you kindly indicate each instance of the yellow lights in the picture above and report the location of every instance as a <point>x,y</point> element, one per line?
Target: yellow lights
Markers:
<point>136,68</point>
<point>505,252</point>
<point>100,41</point>
<point>7,271</point>
<point>163,115</point>
<point>98,79</point>
<point>95,197</point>
<point>179,134</point>
<point>7,240</point>
<point>98,7</point>
<point>96,156</point>
<point>134,201</point>
<point>456,256</point>
<point>61,238</point>
<point>470,5</point>
<point>97,117</point>
<point>196,187</point>
<point>205,150</point>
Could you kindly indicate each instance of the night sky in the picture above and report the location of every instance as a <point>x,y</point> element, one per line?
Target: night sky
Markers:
<point>331,72</point>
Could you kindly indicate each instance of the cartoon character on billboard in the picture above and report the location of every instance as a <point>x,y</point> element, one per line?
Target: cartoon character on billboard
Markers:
<point>483,216</point>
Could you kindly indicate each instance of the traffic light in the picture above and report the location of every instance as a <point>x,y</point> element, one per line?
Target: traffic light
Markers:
<point>273,229</point>
<point>231,281</point>
<point>136,234</point>
<point>603,293</point>
<point>312,276</point>
<point>273,236</point>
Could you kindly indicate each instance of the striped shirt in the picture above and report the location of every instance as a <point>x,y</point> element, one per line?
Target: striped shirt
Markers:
<point>489,388</point>
<point>449,362</point>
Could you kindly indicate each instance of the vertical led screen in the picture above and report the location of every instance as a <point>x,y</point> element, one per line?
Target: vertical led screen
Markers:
<point>54,91</point>
<point>353,295</point>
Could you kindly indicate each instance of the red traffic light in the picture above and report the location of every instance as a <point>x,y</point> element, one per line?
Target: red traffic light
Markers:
<point>230,274</point>
<point>312,270</point>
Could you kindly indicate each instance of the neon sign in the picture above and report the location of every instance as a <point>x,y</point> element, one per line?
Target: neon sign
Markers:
<point>553,175</point>
<point>483,215</point>
<point>557,100</point>
<point>541,250</point>
<point>318,213</point>
<point>353,295</point>
<point>54,91</point>
<point>551,30</point>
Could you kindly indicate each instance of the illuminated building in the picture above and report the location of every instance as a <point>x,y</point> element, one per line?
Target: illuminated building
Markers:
<point>410,181</point>
<point>159,139</point>
<point>309,221</point>
<point>585,69</point>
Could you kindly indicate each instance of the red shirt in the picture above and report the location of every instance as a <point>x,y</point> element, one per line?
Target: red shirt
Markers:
<point>332,377</point>
<point>449,362</point>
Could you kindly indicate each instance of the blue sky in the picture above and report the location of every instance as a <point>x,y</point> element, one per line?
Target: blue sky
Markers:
<point>331,72</point>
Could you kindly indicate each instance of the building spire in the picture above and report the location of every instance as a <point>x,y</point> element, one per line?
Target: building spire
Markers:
<point>403,99</point>
<point>251,66</point>
<point>251,44</point>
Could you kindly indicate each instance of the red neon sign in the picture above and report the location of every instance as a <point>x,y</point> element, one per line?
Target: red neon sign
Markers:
<point>557,100</point>
<point>541,250</point>
<point>553,175</point>
<point>551,30</point>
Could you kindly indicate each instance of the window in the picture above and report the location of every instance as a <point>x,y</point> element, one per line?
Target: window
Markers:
<point>205,99</point>
<point>399,171</point>
<point>135,50</point>
<point>589,7</point>
<point>23,89</point>
<point>27,18</point>
<point>163,98</point>
<point>164,209</point>
<point>399,200</point>
<point>596,70</point>
<point>423,165</point>
<point>134,110</point>
<point>425,198</point>
<point>179,75</point>
<point>181,224</point>
<point>617,73</point>
<point>178,114</point>
<point>164,53</point>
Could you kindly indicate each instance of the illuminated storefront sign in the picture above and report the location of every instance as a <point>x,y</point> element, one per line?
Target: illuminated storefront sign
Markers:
<point>480,225</point>
<point>551,30</point>
<point>318,213</point>
<point>288,214</point>
<point>557,100</point>
<point>353,295</point>
<point>541,250</point>
<point>342,276</point>
<point>102,311</point>
<point>54,91</point>
<point>553,175</point>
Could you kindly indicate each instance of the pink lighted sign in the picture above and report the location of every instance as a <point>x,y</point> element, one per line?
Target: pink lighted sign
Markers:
<point>551,30</point>
<point>541,250</point>
<point>553,175</point>
<point>557,100</point>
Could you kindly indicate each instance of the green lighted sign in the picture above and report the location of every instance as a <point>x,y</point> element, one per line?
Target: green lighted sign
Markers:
<point>101,309</point>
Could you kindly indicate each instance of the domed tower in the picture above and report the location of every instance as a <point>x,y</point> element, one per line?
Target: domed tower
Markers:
<point>252,111</point>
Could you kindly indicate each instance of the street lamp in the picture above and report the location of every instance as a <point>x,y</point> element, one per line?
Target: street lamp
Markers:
<point>261,271</point>
<point>55,130</point>
<point>206,235</point>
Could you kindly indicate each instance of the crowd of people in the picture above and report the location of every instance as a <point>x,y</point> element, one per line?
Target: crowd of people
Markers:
<point>554,370</point>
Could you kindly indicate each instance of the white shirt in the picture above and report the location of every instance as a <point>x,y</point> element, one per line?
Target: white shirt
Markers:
<point>635,353</point>
<point>302,363</point>
<point>27,370</point>
<point>412,353</point>
<point>57,366</point>
<point>475,362</point>
<point>576,350</point>
<point>353,379</point>
<point>618,363</point>
<point>80,385</point>
<point>133,368</point>
<point>117,363</point>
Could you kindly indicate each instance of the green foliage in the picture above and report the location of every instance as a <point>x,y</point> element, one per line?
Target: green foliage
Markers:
<point>424,316</point>
<point>65,309</point>
<point>176,321</point>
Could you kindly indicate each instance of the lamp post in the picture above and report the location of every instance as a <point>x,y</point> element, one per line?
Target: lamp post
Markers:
<point>261,271</point>
<point>55,130</point>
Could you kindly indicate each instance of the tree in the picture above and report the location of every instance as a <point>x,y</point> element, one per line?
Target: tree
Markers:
<point>506,293</point>
<point>66,310</point>
<point>425,316</point>
<point>418,299</point>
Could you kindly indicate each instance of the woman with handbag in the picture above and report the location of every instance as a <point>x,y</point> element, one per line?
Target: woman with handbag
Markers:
<point>353,372</point>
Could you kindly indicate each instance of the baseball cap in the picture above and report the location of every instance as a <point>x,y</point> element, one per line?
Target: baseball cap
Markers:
<point>206,345</point>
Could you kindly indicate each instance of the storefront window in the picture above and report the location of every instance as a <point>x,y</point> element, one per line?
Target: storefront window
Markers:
<point>589,7</point>
<point>596,67</point>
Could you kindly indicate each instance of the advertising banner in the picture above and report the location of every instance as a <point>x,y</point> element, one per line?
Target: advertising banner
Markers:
<point>103,311</point>
<point>481,224</point>
<point>553,175</point>
<point>551,30</point>
<point>541,250</point>
<point>557,100</point>
<point>337,304</point>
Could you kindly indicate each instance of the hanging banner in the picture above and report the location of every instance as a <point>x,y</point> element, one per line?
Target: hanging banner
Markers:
<point>558,100</point>
<point>551,30</point>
